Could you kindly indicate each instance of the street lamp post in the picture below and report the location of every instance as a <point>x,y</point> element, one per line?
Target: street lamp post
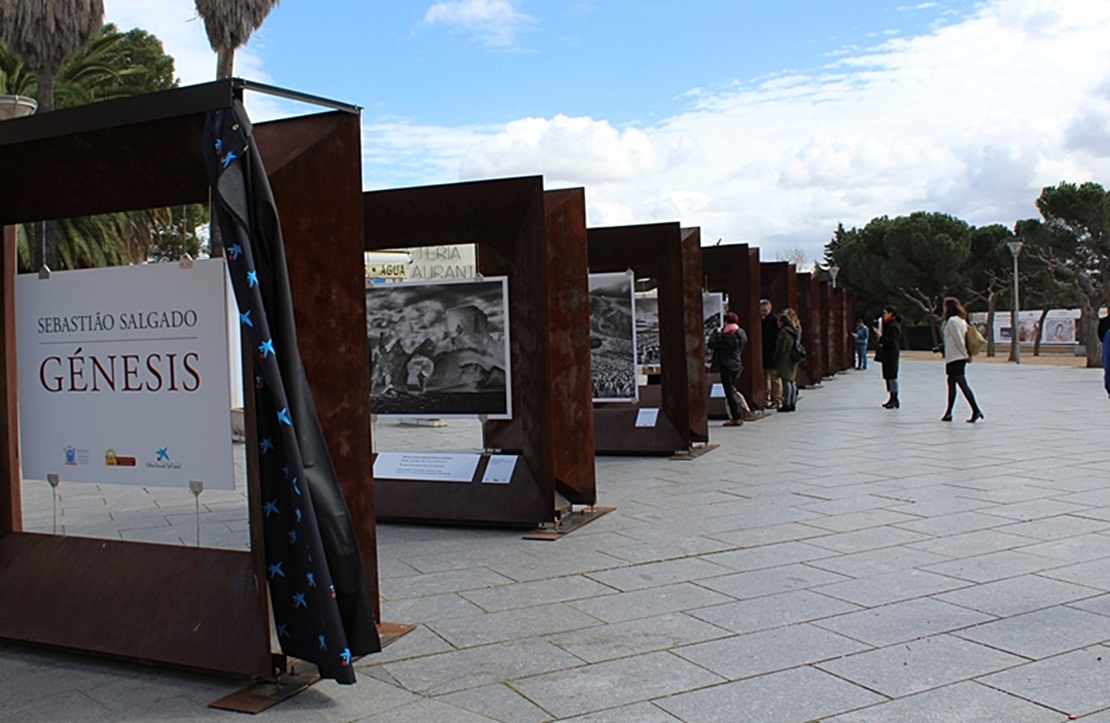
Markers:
<point>833,271</point>
<point>1015,336</point>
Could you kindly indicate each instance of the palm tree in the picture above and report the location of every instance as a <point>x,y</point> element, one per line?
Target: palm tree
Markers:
<point>229,24</point>
<point>44,33</point>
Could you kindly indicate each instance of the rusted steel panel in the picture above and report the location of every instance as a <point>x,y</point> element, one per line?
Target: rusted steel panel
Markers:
<point>734,269</point>
<point>315,170</point>
<point>195,607</point>
<point>658,251</point>
<point>122,168</point>
<point>506,219</point>
<point>569,343</point>
<point>810,372</point>
<point>825,311</point>
<point>697,382</point>
<point>185,606</point>
<point>11,516</point>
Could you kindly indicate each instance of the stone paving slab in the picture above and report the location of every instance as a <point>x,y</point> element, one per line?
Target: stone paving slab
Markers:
<point>807,568</point>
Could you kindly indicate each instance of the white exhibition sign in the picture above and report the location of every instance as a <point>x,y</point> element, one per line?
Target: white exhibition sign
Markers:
<point>123,375</point>
<point>499,469</point>
<point>426,467</point>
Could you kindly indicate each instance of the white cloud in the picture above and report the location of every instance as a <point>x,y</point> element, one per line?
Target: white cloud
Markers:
<point>578,150</point>
<point>971,118</point>
<point>494,22</point>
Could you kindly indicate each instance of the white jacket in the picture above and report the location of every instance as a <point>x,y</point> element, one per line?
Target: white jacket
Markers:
<point>955,335</point>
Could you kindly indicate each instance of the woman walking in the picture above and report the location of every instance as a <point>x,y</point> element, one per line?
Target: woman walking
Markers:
<point>890,348</point>
<point>956,358</point>
<point>727,343</point>
<point>790,333</point>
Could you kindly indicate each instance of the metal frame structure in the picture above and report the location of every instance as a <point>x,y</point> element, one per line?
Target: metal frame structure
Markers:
<point>672,256</point>
<point>538,240</point>
<point>198,608</point>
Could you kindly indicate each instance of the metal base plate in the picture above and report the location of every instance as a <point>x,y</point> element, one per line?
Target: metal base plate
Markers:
<point>694,452</point>
<point>568,523</point>
<point>263,694</point>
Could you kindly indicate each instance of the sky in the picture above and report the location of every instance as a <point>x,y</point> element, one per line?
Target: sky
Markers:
<point>761,122</point>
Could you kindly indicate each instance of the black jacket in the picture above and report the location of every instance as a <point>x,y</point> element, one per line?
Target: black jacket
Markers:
<point>770,330</point>
<point>890,347</point>
<point>726,349</point>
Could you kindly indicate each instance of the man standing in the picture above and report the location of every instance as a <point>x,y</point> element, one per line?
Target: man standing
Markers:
<point>772,385</point>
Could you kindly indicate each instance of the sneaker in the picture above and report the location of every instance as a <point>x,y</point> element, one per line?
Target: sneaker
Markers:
<point>732,423</point>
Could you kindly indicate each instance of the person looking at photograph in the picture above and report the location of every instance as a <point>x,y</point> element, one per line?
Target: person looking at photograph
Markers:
<point>956,358</point>
<point>786,368</point>
<point>727,343</point>
<point>859,336</point>
<point>769,329</point>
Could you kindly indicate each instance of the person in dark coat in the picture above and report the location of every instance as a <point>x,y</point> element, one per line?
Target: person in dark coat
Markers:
<point>727,343</point>
<point>890,344</point>
<point>769,328</point>
<point>786,368</point>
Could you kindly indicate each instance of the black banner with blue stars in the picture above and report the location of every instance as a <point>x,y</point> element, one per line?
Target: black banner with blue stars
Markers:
<point>321,606</point>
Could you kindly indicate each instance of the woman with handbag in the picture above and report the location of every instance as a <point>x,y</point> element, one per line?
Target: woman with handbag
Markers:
<point>956,358</point>
<point>888,353</point>
<point>786,359</point>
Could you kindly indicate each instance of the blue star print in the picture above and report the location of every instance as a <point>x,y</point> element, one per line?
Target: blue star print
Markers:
<point>275,570</point>
<point>283,631</point>
<point>234,250</point>
<point>266,444</point>
<point>323,642</point>
<point>245,317</point>
<point>299,601</point>
<point>229,158</point>
<point>283,416</point>
<point>266,348</point>
<point>345,657</point>
<point>271,508</point>
<point>311,579</point>
<point>297,512</point>
<point>163,454</point>
<point>292,537</point>
<point>252,279</point>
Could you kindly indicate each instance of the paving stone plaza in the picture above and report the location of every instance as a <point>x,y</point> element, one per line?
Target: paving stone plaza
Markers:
<point>843,563</point>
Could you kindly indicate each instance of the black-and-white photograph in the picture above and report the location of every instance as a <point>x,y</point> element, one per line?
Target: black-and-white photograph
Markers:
<point>439,349</point>
<point>612,338</point>
<point>647,330</point>
<point>647,325</point>
<point>713,313</point>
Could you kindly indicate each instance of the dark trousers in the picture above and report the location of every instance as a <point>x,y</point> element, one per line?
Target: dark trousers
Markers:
<point>728,381</point>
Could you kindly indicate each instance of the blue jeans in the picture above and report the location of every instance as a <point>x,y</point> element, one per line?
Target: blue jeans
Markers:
<point>861,356</point>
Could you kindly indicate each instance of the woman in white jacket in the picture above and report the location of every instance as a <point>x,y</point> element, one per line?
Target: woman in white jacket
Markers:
<point>956,358</point>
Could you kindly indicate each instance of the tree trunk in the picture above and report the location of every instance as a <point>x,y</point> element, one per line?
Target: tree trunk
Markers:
<point>1088,332</point>
<point>1040,332</point>
<point>46,251</point>
<point>992,303</point>
<point>225,62</point>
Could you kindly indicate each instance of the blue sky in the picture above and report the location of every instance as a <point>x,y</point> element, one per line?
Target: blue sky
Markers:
<point>761,122</point>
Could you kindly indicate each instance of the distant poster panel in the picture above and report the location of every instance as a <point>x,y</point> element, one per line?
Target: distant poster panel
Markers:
<point>612,337</point>
<point>439,349</point>
<point>647,324</point>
